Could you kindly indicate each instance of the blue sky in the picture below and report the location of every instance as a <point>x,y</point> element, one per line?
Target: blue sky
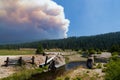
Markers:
<point>91,17</point>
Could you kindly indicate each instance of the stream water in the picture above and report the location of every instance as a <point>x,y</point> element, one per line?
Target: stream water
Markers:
<point>52,75</point>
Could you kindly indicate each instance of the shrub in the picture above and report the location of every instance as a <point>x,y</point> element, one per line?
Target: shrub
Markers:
<point>76,49</point>
<point>67,78</point>
<point>115,48</point>
<point>92,51</point>
<point>77,78</point>
<point>80,52</point>
<point>59,78</point>
<point>113,70</point>
<point>104,69</point>
<point>39,49</point>
<point>105,65</point>
<point>114,58</point>
<point>99,65</point>
<point>115,53</point>
<point>99,52</point>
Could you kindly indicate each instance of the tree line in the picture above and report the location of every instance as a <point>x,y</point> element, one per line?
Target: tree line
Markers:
<point>101,42</point>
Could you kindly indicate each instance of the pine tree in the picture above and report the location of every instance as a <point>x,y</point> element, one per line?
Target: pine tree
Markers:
<point>40,49</point>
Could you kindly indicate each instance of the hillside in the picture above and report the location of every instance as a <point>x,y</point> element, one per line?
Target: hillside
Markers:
<point>102,41</point>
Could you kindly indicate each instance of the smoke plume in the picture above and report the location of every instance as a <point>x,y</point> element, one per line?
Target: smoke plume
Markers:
<point>28,20</point>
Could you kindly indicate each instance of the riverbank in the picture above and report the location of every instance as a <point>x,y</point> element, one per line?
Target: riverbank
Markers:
<point>39,59</point>
<point>23,74</point>
<point>7,71</point>
<point>81,73</point>
<point>75,57</point>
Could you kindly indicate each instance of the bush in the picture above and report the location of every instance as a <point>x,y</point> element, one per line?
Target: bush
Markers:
<point>59,78</point>
<point>92,51</point>
<point>99,65</point>
<point>113,70</point>
<point>115,53</point>
<point>67,78</point>
<point>114,58</point>
<point>104,69</point>
<point>76,49</point>
<point>39,49</point>
<point>80,52</point>
<point>115,48</point>
<point>105,65</point>
<point>99,52</point>
<point>77,78</point>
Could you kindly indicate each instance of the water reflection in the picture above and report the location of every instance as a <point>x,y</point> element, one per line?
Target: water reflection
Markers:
<point>72,65</point>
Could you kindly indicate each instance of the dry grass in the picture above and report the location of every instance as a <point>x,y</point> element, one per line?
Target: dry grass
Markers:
<point>17,52</point>
<point>82,74</point>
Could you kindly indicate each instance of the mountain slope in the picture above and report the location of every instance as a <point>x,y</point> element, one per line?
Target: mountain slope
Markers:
<point>103,41</point>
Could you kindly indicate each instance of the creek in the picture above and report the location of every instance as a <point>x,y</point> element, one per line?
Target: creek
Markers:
<point>50,75</point>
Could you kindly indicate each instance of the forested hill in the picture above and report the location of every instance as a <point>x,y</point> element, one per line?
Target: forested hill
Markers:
<point>103,42</point>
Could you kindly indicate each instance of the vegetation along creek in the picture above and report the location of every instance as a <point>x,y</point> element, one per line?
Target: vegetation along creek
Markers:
<point>51,75</point>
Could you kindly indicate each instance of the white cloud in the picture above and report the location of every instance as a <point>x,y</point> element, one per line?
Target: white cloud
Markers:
<point>32,20</point>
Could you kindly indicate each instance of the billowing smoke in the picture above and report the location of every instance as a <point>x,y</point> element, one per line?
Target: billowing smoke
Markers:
<point>28,20</point>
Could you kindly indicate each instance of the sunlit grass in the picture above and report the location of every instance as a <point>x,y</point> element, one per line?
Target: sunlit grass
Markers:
<point>16,52</point>
<point>23,74</point>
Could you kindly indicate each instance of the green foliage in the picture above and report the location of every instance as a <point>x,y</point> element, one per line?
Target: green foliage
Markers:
<point>76,49</point>
<point>59,78</point>
<point>113,70</point>
<point>102,42</point>
<point>115,48</point>
<point>114,58</point>
<point>39,49</point>
<point>79,52</point>
<point>17,52</point>
<point>99,52</point>
<point>66,59</point>
<point>99,66</point>
<point>92,51</point>
<point>24,74</point>
<point>67,78</point>
<point>115,53</point>
<point>77,78</point>
<point>104,65</point>
<point>104,69</point>
<point>85,53</point>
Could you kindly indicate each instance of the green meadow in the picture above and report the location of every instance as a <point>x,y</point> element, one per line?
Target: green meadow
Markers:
<point>17,52</point>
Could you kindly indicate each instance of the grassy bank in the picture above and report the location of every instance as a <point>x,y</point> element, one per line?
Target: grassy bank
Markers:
<point>24,74</point>
<point>80,73</point>
<point>74,57</point>
<point>26,51</point>
<point>17,52</point>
